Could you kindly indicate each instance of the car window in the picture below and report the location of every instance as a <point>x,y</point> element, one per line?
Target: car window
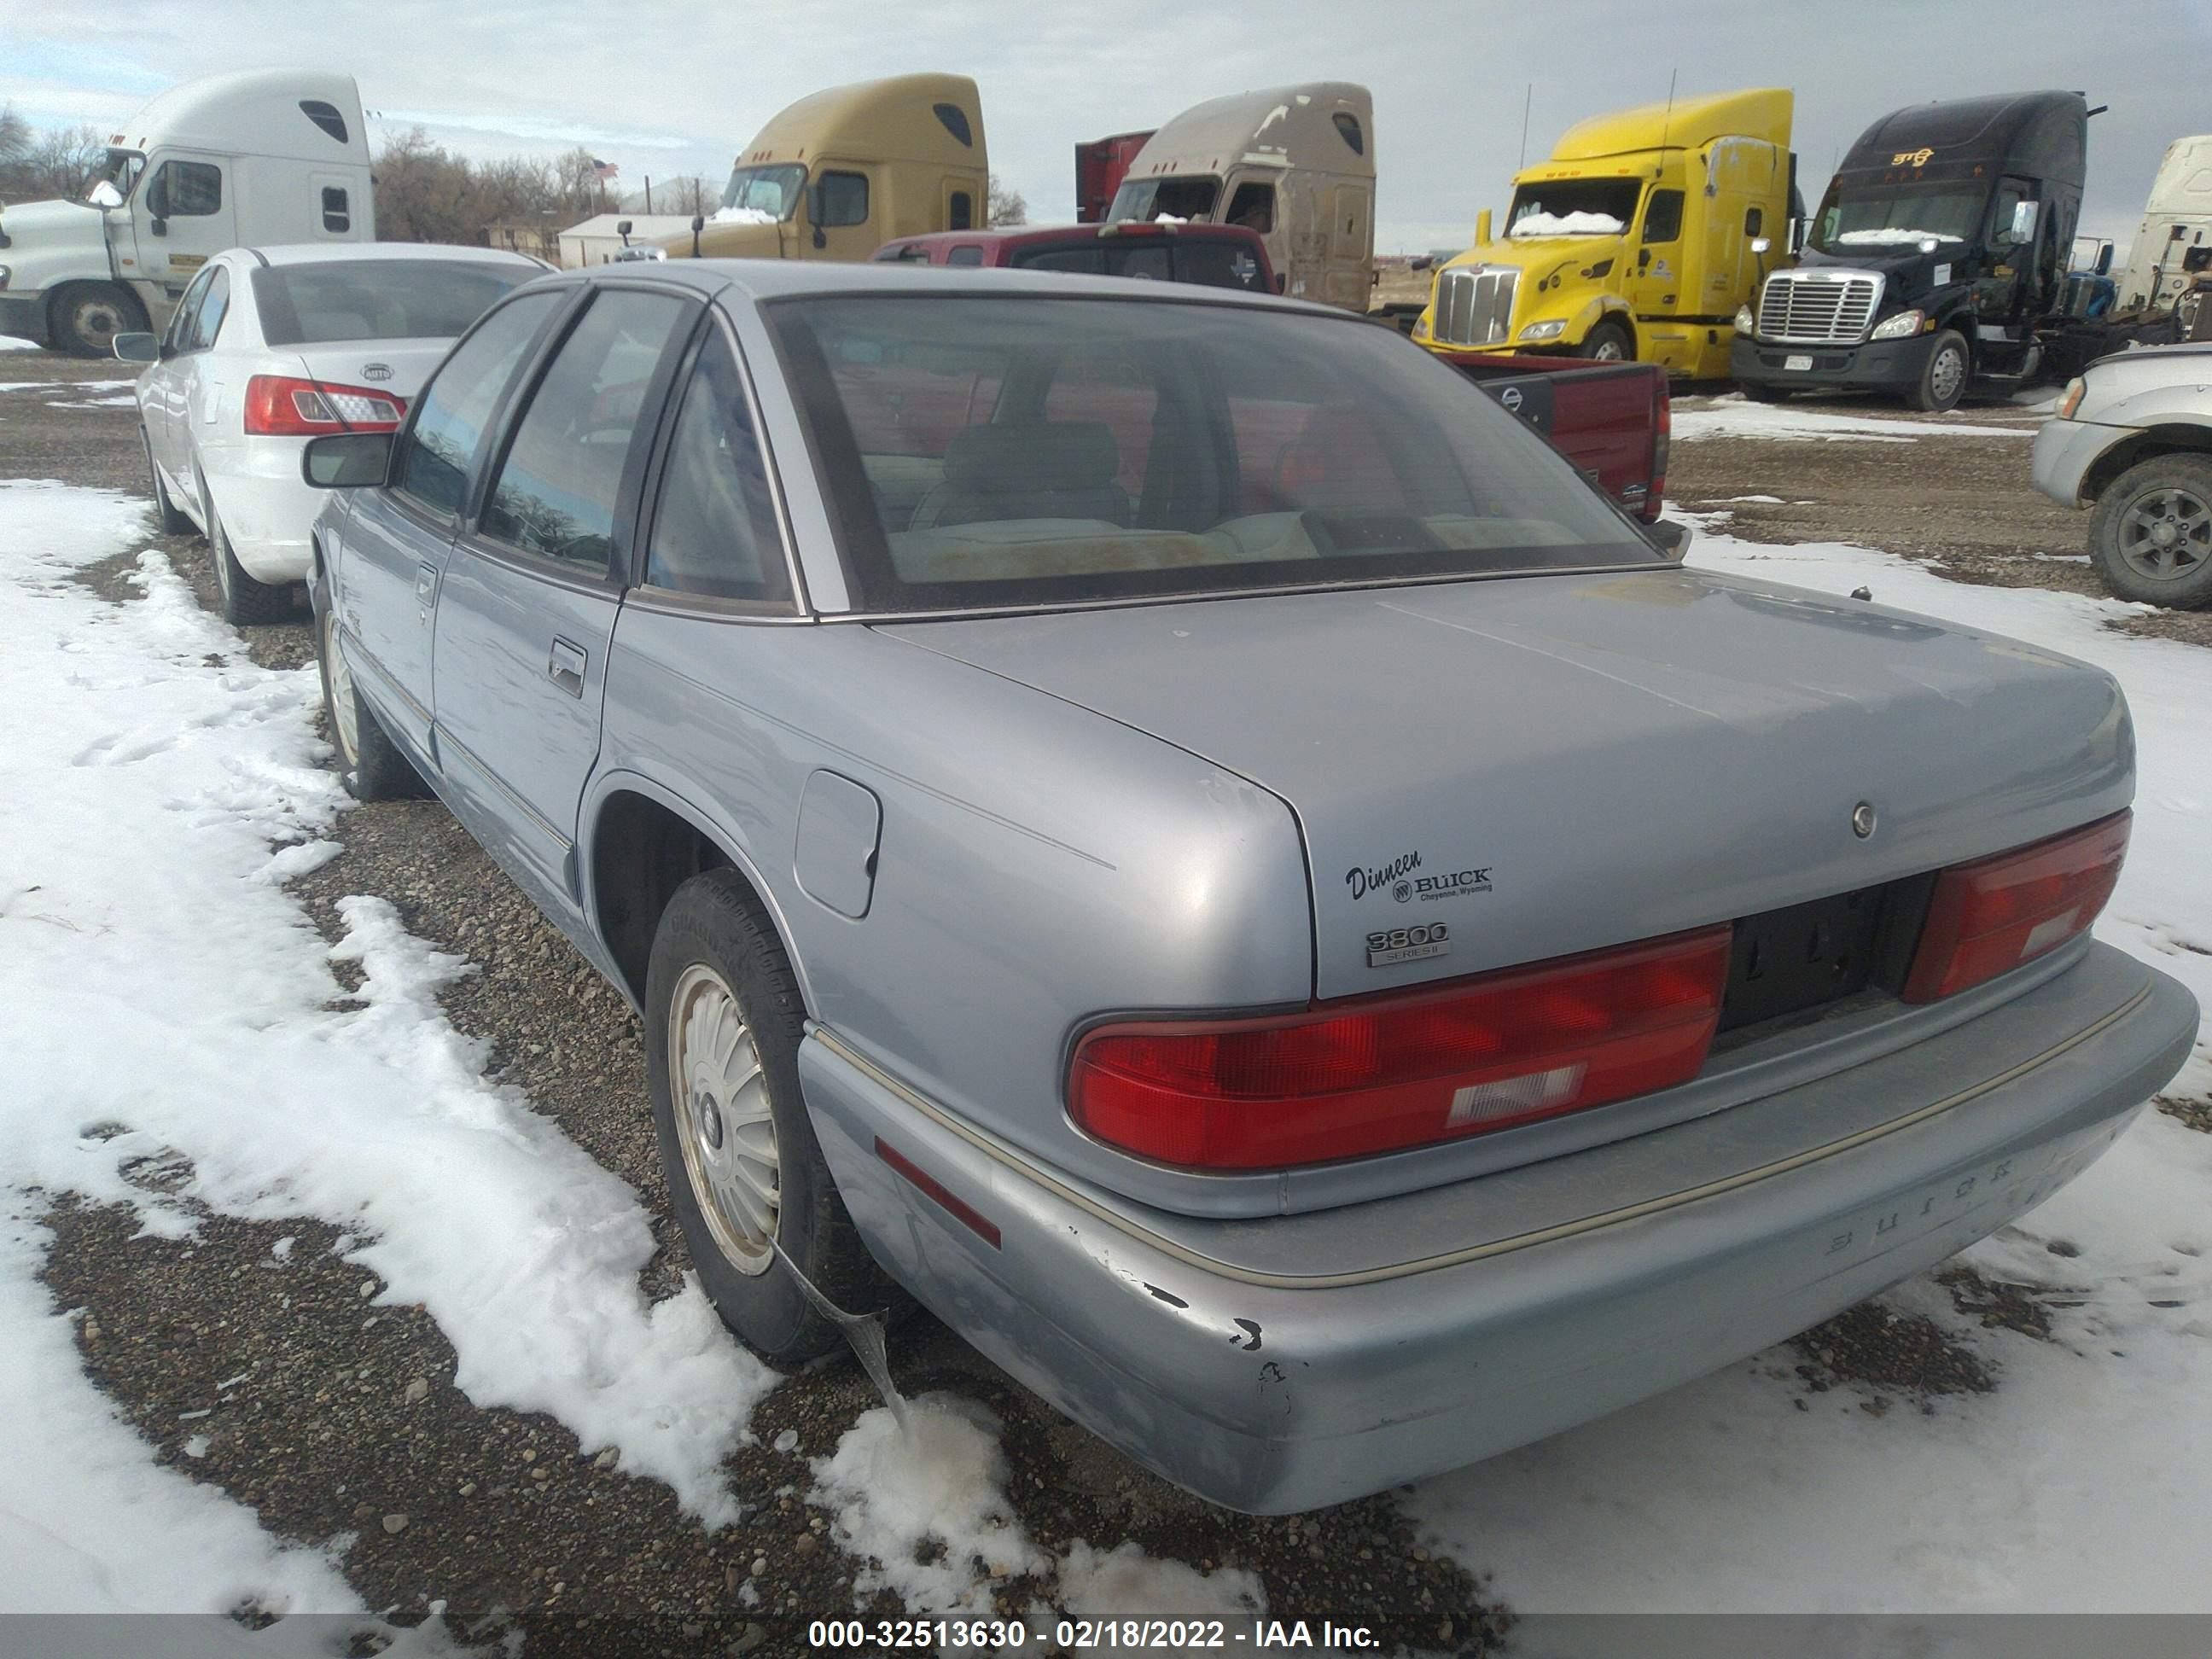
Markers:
<point>1003,449</point>
<point>188,309</point>
<point>1219,264</point>
<point>330,299</point>
<point>1662,216</point>
<point>214,305</point>
<point>436,454</point>
<point>844,199</point>
<point>714,531</point>
<point>968,253</point>
<point>337,214</point>
<point>1083,261</point>
<point>558,485</point>
<point>187,190</point>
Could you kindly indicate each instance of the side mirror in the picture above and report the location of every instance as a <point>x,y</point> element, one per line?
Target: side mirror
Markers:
<point>1282,281</point>
<point>2105,260</point>
<point>2023,221</point>
<point>1760,244</point>
<point>346,460</point>
<point>159,226</point>
<point>105,195</point>
<point>137,348</point>
<point>698,224</point>
<point>622,229</point>
<point>1482,226</point>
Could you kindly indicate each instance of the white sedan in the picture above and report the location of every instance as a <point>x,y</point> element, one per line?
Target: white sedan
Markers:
<point>271,347</point>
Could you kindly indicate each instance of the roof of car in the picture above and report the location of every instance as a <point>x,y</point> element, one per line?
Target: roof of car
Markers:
<point>773,279</point>
<point>309,254</point>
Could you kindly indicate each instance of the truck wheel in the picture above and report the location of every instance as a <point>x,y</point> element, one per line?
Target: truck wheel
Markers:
<point>2152,534</point>
<point>370,765</point>
<point>723,1020</point>
<point>173,523</point>
<point>1943,377</point>
<point>1610,341</point>
<point>246,602</point>
<point>83,319</point>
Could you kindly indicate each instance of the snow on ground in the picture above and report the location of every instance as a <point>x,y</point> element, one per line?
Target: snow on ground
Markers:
<point>2080,1484</point>
<point>159,991</point>
<point>9,343</point>
<point>1734,415</point>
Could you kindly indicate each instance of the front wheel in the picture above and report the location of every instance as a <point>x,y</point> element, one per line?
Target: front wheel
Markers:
<point>1610,341</point>
<point>2152,534</point>
<point>723,1020</point>
<point>87,316</point>
<point>1943,377</point>
<point>369,763</point>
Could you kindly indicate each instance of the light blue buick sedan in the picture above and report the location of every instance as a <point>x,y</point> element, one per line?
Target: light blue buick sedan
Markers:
<point>1165,824</point>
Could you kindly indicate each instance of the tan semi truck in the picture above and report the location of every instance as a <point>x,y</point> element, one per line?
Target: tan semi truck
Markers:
<point>846,169</point>
<point>1296,164</point>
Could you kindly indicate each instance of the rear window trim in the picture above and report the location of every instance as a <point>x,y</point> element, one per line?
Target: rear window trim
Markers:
<point>797,385</point>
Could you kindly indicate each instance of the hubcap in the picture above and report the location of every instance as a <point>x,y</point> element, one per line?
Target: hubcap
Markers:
<point>1609,351</point>
<point>723,1122</point>
<point>1946,373</point>
<point>345,719</point>
<point>97,323</point>
<point>2166,535</point>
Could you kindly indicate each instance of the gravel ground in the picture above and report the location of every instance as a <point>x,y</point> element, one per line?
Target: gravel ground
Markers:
<point>338,1422</point>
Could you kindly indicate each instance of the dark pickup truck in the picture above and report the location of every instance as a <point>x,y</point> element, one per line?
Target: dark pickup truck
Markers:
<point>1612,420</point>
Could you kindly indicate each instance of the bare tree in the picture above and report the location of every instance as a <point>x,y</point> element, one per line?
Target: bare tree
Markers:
<point>689,194</point>
<point>1004,205</point>
<point>37,165</point>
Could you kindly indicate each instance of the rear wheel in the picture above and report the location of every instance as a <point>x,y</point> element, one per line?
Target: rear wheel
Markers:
<point>173,523</point>
<point>371,766</point>
<point>246,601</point>
<point>85,318</point>
<point>1610,341</point>
<point>2152,534</point>
<point>723,1020</point>
<point>1943,377</point>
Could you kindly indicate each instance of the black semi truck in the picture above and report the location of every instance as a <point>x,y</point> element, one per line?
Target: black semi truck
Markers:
<point>1937,261</point>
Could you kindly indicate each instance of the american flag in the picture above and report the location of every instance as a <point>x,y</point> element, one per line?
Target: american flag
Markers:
<point>604,169</point>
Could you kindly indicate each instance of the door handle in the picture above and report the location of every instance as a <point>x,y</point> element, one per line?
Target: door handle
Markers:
<point>426,582</point>
<point>566,665</point>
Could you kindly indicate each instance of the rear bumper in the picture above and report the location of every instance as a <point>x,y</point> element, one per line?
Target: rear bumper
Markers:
<point>2063,453</point>
<point>1270,1393</point>
<point>267,508</point>
<point>1877,365</point>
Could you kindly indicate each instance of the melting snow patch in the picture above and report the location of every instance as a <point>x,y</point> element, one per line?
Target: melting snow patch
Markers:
<point>741,215</point>
<point>1565,224</point>
<point>1096,1583</point>
<point>1736,416</point>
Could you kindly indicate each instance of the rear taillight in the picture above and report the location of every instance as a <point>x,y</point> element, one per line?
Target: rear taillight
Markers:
<point>279,406</point>
<point>1662,434</point>
<point>1997,912</point>
<point>1372,1075</point>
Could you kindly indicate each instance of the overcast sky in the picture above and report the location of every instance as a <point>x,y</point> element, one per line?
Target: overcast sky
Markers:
<point>661,88</point>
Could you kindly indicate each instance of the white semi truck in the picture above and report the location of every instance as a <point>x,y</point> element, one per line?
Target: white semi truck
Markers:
<point>2174,245</point>
<point>262,156</point>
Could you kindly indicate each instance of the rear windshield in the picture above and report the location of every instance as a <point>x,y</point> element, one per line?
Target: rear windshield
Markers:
<point>986,451</point>
<point>1163,259</point>
<point>338,300</point>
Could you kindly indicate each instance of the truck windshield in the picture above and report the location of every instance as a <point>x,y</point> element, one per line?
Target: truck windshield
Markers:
<point>1174,198</point>
<point>987,451</point>
<point>770,192</point>
<point>1573,207</point>
<point>1898,215</point>
<point>119,171</point>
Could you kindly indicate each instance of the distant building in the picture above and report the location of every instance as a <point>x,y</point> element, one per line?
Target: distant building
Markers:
<point>596,240</point>
<point>539,238</point>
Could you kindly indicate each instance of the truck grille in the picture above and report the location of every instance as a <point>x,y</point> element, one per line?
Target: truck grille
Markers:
<point>1818,308</point>
<point>1474,305</point>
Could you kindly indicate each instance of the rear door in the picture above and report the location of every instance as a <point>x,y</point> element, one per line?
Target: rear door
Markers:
<point>397,537</point>
<point>528,600</point>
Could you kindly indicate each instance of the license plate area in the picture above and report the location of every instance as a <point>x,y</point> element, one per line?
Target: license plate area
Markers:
<point>1798,360</point>
<point>1803,956</point>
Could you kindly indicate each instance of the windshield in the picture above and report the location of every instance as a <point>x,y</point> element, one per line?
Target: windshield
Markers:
<point>119,173</point>
<point>324,302</point>
<point>1004,450</point>
<point>764,194</point>
<point>1171,198</point>
<point>1573,207</point>
<point>1898,215</point>
<point>1161,259</point>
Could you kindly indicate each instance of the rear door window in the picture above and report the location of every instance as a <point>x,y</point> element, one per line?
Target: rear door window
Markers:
<point>188,310</point>
<point>559,487</point>
<point>436,452</point>
<point>715,527</point>
<point>214,305</point>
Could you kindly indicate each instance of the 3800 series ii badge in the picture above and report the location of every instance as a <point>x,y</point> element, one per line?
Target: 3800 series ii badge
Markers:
<point>1393,945</point>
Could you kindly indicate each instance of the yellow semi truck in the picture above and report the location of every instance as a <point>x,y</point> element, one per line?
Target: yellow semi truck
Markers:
<point>844,170</point>
<point>1638,239</point>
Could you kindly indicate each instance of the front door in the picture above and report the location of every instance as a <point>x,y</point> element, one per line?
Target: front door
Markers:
<point>182,214</point>
<point>395,540</point>
<point>1655,286</point>
<point>841,212</point>
<point>528,600</point>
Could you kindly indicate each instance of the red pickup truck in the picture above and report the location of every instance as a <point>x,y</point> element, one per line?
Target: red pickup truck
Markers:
<point>1219,256</point>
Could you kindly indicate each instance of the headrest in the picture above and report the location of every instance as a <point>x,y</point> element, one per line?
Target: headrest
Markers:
<point>1012,459</point>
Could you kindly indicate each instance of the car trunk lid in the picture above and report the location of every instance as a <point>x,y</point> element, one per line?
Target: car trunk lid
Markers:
<point>1556,763</point>
<point>396,367</point>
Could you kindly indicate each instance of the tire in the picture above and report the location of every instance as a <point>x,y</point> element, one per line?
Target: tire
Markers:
<point>83,319</point>
<point>246,602</point>
<point>718,975</point>
<point>173,523</point>
<point>1943,377</point>
<point>1762,394</point>
<point>369,763</point>
<point>2152,533</point>
<point>1610,341</point>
